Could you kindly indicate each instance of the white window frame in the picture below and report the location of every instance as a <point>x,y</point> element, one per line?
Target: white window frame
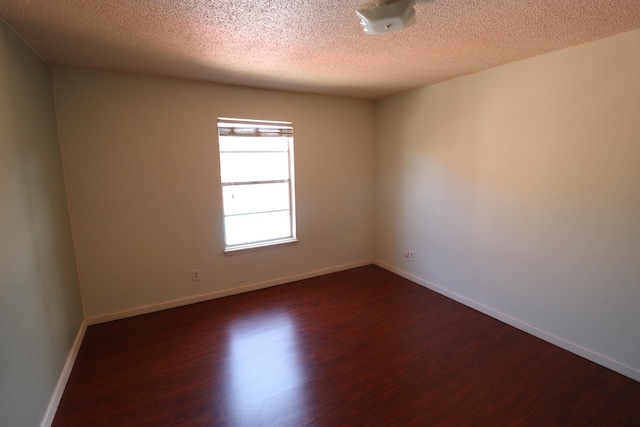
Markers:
<point>230,127</point>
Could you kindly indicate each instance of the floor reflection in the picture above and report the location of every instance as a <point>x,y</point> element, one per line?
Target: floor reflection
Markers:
<point>264,369</point>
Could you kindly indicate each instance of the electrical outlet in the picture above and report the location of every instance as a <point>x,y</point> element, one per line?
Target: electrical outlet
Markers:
<point>195,274</point>
<point>412,256</point>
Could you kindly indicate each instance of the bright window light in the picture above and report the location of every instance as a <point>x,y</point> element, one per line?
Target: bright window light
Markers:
<point>256,174</point>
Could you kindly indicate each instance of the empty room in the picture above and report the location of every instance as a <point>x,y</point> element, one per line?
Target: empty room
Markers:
<point>339,213</point>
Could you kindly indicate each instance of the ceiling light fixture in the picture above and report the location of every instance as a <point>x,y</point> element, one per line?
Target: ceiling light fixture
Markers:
<point>387,16</point>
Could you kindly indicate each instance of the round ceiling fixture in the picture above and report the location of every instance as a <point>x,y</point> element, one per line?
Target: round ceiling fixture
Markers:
<point>387,17</point>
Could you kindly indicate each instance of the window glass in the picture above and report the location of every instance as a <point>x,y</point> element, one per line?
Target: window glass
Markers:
<point>256,174</point>
<point>242,199</point>
<point>250,166</point>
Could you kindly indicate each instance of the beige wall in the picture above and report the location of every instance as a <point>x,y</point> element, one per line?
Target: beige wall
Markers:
<point>40,308</point>
<point>519,190</point>
<point>141,162</point>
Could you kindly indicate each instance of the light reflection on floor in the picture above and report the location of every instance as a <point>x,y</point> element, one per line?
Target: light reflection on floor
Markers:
<point>265,374</point>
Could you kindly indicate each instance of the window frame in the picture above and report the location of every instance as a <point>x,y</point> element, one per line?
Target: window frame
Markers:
<point>285,130</point>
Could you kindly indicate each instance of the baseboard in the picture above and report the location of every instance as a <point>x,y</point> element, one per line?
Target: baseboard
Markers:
<point>574,348</point>
<point>223,293</point>
<point>63,378</point>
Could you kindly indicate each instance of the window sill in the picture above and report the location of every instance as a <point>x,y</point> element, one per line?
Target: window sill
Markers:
<point>253,247</point>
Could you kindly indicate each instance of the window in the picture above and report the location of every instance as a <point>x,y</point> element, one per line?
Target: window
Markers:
<point>256,171</point>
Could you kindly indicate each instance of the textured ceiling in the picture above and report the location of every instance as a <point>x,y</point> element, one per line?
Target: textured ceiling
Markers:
<point>308,46</point>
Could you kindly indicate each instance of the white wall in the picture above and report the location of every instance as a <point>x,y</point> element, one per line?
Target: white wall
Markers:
<point>519,190</point>
<point>40,308</point>
<point>140,156</point>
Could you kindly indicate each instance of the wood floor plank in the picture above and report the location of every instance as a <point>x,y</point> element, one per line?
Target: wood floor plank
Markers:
<point>362,347</point>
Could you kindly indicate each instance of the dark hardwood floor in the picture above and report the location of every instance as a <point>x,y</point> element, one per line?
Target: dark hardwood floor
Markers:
<point>362,347</point>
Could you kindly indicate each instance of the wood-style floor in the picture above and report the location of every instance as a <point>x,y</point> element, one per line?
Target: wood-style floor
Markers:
<point>362,347</point>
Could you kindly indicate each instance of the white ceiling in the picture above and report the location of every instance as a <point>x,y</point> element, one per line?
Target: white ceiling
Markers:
<point>308,46</point>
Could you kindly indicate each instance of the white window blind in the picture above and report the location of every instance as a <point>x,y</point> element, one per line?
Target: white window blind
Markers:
<point>257,178</point>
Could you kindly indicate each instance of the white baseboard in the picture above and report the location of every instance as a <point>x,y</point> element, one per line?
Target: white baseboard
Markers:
<point>588,354</point>
<point>223,293</point>
<point>63,378</point>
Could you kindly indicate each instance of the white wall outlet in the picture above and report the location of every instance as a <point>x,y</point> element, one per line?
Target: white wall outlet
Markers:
<point>412,256</point>
<point>195,274</point>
